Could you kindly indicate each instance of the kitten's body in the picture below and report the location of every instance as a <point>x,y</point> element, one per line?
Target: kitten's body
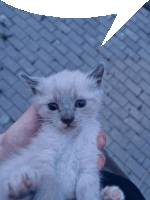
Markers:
<point>61,161</point>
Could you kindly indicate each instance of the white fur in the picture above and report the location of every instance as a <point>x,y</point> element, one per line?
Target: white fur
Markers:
<point>64,159</point>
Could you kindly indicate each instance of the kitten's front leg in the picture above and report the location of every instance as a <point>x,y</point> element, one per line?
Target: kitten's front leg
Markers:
<point>88,186</point>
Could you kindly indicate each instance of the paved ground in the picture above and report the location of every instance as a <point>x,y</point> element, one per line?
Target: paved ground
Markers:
<point>39,45</point>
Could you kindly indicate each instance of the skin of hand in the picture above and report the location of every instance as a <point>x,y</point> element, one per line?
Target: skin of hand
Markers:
<point>25,128</point>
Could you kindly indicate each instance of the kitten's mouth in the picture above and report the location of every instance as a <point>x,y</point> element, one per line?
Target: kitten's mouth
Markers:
<point>68,126</point>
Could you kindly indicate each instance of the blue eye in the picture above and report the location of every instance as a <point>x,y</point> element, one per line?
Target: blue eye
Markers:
<point>53,106</point>
<point>80,103</point>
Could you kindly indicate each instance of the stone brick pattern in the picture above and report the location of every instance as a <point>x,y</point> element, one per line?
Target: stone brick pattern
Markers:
<point>40,46</point>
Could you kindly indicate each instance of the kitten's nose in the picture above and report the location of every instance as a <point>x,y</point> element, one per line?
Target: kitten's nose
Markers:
<point>67,121</point>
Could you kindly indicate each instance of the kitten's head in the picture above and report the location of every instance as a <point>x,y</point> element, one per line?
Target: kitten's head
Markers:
<point>68,99</point>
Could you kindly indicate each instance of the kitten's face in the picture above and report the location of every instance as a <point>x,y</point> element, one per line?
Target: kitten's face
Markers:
<point>67,99</point>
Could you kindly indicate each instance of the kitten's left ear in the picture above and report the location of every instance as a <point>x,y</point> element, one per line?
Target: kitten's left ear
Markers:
<point>97,74</point>
<point>32,82</point>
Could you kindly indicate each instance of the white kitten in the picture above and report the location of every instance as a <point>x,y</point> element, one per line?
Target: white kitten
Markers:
<point>60,162</point>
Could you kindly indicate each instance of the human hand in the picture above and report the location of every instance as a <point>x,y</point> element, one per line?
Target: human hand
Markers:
<point>25,128</point>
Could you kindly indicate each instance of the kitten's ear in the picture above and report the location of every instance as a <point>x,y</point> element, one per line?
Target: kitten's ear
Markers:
<point>97,74</point>
<point>32,82</point>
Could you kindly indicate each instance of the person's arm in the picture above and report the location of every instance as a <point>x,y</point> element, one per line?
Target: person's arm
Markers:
<point>25,128</point>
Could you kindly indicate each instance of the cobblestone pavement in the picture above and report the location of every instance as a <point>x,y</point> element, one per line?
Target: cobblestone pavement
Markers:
<point>40,46</point>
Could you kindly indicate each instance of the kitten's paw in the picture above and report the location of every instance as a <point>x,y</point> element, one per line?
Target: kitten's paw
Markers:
<point>112,193</point>
<point>22,183</point>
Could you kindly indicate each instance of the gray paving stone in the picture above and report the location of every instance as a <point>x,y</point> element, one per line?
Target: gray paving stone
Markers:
<point>120,35</point>
<point>56,66</point>
<point>132,75</point>
<point>7,90</point>
<point>147,193</point>
<point>143,26</point>
<point>19,21</point>
<point>144,55</point>
<point>14,113</point>
<point>129,42</point>
<point>103,30</point>
<point>106,87</point>
<point>48,25</point>
<point>27,66</point>
<point>61,47</point>
<point>145,86</point>
<point>118,123</point>
<point>143,35</point>
<point>11,64</point>
<point>59,57</point>
<point>131,25</point>
<point>119,152</point>
<point>131,34</point>
<point>17,32</point>
<point>70,66</point>
<point>33,46</point>
<point>106,99</point>
<point>61,36</point>
<point>62,26</point>
<point>118,42</point>
<point>130,53</point>
<point>145,123</point>
<point>145,98</point>
<point>138,141</point>
<point>146,163</point>
<point>134,178</point>
<point>22,88</point>
<point>16,43</point>
<point>47,35</point>
<point>45,56</point>
<point>106,112</point>
<point>117,85</point>
<point>7,11</point>
<point>45,45</point>
<point>134,112</point>
<point>144,65</point>
<point>79,21</point>
<point>74,47</point>
<point>20,102</point>
<point>92,21</point>
<point>120,65</point>
<point>90,50</point>
<point>146,136</point>
<point>89,39</point>
<point>114,49</point>
<point>145,110</point>
<point>2,54</point>
<point>4,118</point>
<point>76,38</point>
<point>32,33</point>
<point>133,87</point>
<point>8,76</point>
<point>134,124</point>
<point>2,130</point>
<point>76,28</point>
<point>118,97</point>
<point>88,60</point>
<point>87,27</point>
<point>142,18</point>
<point>117,74</point>
<point>13,53</point>
<point>103,51</point>
<point>35,25</point>
<point>119,137</point>
<point>144,45</point>
<point>144,75</point>
<point>118,110</point>
<point>104,21</point>
<point>24,15</point>
<point>135,153</point>
<point>135,167</point>
<point>30,55</point>
<point>132,64</point>
<point>5,103</point>
<point>74,59</point>
<point>43,67</point>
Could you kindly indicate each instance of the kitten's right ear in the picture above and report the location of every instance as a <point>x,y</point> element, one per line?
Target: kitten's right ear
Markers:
<point>32,82</point>
<point>97,74</point>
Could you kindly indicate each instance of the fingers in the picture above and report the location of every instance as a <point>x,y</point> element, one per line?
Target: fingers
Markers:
<point>101,139</point>
<point>101,162</point>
